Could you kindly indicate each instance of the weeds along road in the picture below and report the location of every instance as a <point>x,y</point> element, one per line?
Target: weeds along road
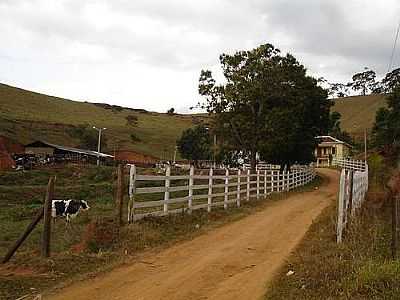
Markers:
<point>235,261</point>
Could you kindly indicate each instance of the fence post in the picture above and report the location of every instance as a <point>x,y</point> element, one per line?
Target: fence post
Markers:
<point>248,185</point>
<point>167,184</point>
<point>265,182</point>
<point>210,184</point>
<point>119,195</point>
<point>238,188</point>
<point>226,189</point>
<point>190,197</point>
<point>132,191</point>
<point>351,183</point>
<point>272,180</point>
<point>340,207</point>
<point>258,184</point>
<point>22,238</point>
<point>46,235</point>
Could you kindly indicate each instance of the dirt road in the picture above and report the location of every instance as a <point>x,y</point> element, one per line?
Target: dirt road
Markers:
<point>235,261</point>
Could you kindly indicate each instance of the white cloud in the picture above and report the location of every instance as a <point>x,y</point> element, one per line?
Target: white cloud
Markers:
<point>149,53</point>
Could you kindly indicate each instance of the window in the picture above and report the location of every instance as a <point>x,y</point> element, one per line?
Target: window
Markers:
<point>333,150</point>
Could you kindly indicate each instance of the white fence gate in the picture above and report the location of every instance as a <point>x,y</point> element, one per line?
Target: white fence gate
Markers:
<point>159,195</point>
<point>352,192</point>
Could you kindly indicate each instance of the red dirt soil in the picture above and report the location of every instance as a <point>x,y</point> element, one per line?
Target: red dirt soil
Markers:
<point>8,147</point>
<point>134,157</point>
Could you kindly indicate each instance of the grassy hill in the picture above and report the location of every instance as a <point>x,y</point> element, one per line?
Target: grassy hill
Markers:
<point>26,116</point>
<point>358,112</point>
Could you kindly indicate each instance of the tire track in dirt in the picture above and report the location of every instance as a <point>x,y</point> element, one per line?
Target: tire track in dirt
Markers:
<point>235,261</point>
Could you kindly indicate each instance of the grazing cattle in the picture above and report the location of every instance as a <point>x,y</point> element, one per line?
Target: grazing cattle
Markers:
<point>68,208</point>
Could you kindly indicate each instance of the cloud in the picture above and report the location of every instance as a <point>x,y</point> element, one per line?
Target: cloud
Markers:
<point>149,53</point>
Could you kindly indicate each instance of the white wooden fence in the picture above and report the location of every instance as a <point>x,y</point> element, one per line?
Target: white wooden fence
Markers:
<point>349,164</point>
<point>159,195</point>
<point>352,192</point>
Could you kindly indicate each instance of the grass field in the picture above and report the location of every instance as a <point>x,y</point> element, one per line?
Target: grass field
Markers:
<point>358,112</point>
<point>26,116</point>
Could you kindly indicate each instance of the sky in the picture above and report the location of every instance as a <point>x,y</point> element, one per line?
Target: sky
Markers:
<point>149,53</point>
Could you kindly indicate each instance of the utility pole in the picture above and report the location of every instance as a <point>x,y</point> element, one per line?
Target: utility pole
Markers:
<point>215,149</point>
<point>99,143</point>
<point>365,145</point>
<point>176,149</point>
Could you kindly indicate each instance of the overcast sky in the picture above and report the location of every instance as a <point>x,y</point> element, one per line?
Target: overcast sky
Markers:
<point>149,53</point>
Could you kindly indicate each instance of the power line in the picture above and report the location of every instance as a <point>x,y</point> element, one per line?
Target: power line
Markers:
<point>394,48</point>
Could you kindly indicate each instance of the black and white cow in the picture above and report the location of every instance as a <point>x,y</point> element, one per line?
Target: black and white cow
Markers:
<point>68,208</point>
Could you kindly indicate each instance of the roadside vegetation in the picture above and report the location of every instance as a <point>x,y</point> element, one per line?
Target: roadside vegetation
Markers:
<point>359,268</point>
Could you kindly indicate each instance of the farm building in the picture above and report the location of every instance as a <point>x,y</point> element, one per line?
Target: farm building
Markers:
<point>44,149</point>
<point>8,148</point>
<point>329,148</point>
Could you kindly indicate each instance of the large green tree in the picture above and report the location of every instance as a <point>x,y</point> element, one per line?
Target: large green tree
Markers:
<point>386,130</point>
<point>268,105</point>
<point>195,144</point>
<point>364,81</point>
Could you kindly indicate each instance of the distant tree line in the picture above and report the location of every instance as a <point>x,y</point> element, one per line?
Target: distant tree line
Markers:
<point>364,83</point>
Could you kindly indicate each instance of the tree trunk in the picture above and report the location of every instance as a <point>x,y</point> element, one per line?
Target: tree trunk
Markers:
<point>253,159</point>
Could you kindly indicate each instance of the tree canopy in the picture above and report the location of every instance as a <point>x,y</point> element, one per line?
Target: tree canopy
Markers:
<point>386,130</point>
<point>195,144</point>
<point>268,105</point>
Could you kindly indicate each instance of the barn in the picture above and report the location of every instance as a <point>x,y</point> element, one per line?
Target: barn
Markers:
<point>45,149</point>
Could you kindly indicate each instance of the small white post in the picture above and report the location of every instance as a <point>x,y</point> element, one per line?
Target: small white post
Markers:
<point>265,182</point>
<point>248,186</point>
<point>190,196</point>
<point>167,184</point>
<point>272,181</point>
<point>132,190</point>
<point>238,188</point>
<point>258,184</point>
<point>210,183</point>
<point>226,189</point>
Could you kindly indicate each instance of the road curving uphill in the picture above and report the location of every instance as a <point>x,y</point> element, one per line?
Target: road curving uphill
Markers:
<point>235,261</point>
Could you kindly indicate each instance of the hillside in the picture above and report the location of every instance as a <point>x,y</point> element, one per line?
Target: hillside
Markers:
<point>358,112</point>
<point>26,116</point>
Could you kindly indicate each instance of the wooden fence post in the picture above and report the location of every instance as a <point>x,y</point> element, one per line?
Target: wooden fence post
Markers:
<point>226,196</point>
<point>46,234</point>
<point>210,184</point>
<point>167,185</point>
<point>341,200</point>
<point>238,188</point>
<point>351,179</point>
<point>132,190</point>
<point>248,186</point>
<point>119,195</point>
<point>22,238</point>
<point>190,197</point>
<point>258,184</point>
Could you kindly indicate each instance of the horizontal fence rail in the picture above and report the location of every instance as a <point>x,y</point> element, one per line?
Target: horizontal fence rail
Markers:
<point>350,164</point>
<point>160,195</point>
<point>352,192</point>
